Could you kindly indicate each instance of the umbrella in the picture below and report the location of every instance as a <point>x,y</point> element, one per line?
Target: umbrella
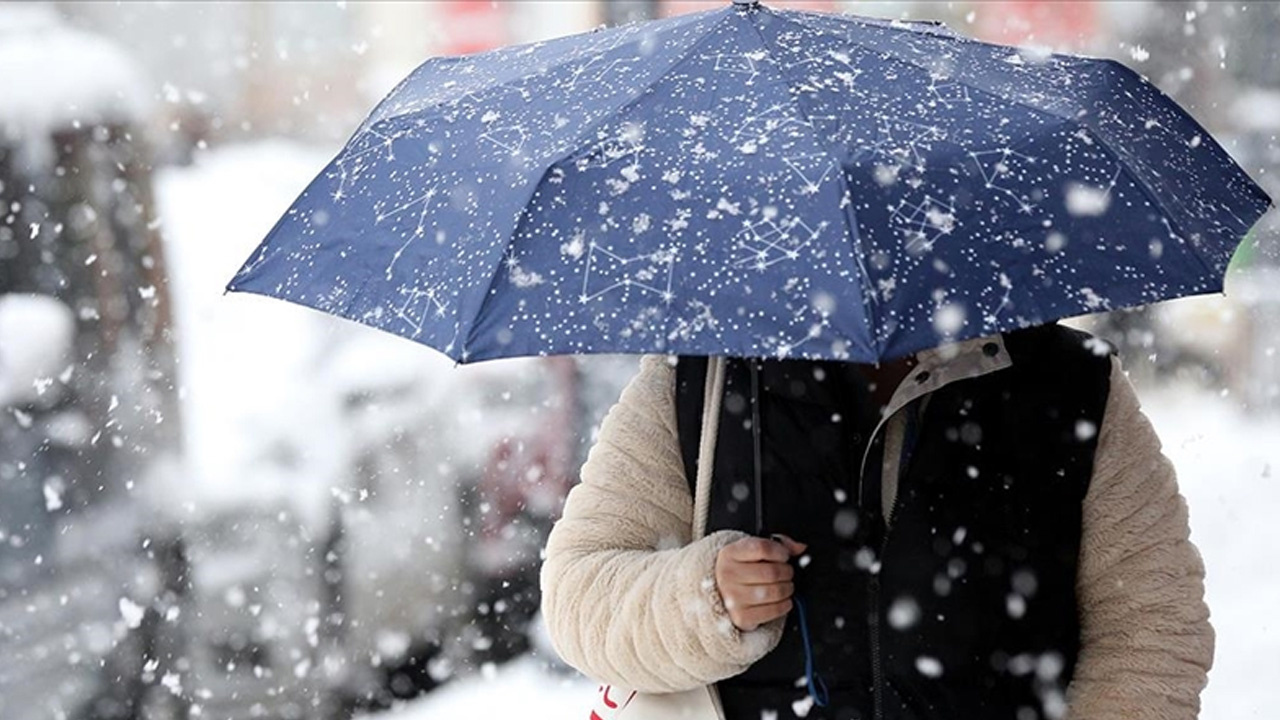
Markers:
<point>756,182</point>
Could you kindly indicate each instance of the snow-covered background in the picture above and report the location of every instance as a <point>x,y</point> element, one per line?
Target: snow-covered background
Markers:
<point>344,499</point>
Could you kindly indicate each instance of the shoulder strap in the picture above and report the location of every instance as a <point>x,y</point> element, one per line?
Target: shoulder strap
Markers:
<point>707,447</point>
<point>691,382</point>
<point>699,465</point>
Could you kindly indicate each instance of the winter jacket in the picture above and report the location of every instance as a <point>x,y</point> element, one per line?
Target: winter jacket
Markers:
<point>629,600</point>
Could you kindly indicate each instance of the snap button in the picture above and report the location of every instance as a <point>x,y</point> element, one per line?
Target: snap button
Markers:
<point>921,377</point>
<point>990,349</point>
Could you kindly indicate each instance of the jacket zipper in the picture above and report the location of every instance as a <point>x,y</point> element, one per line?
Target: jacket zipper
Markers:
<point>873,590</point>
<point>873,585</point>
<point>877,671</point>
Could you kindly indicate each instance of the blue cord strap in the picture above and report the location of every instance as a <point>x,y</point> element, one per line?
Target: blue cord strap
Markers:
<point>817,688</point>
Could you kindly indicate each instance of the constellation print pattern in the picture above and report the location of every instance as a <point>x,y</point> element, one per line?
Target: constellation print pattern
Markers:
<point>998,171</point>
<point>948,93</point>
<point>597,69</point>
<point>423,205</point>
<point>923,222</point>
<point>766,243</point>
<point>1007,286</point>
<point>745,64</point>
<point>700,318</point>
<point>420,306</point>
<point>922,46</point>
<point>510,138</point>
<point>623,146</point>
<point>758,128</point>
<point>1049,70</point>
<point>352,161</point>
<point>755,181</point>
<point>811,168</point>
<point>904,142</point>
<point>607,271</point>
<point>785,346</point>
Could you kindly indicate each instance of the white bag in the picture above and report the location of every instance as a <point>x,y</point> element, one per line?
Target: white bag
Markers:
<point>701,703</point>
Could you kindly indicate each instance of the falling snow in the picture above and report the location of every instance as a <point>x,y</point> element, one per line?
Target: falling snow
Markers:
<point>685,189</point>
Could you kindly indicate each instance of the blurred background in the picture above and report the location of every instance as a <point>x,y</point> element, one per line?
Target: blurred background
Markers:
<point>229,507</point>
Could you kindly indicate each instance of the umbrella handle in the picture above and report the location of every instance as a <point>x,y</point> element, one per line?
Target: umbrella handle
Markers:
<point>756,442</point>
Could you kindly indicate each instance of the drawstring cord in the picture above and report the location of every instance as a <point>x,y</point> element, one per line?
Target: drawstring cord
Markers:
<point>817,687</point>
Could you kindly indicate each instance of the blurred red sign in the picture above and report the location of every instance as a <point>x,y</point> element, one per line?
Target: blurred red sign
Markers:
<point>1062,25</point>
<point>472,26</point>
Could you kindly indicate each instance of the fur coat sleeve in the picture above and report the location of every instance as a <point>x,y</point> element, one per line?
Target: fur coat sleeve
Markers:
<point>1146,642</point>
<point>627,598</point>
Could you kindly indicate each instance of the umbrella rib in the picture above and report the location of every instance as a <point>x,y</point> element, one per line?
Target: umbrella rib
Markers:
<point>1103,138</point>
<point>797,18</point>
<point>573,146</point>
<point>933,28</point>
<point>906,61</point>
<point>555,63</point>
<point>1154,199</point>
<point>1141,182</point>
<point>848,215</point>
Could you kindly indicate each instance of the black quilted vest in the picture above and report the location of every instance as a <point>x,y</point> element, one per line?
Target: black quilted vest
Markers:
<point>964,608</point>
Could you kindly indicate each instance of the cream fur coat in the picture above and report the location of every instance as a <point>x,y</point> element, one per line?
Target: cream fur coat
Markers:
<point>629,600</point>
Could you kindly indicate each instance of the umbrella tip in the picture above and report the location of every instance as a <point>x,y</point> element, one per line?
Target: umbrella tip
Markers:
<point>746,4</point>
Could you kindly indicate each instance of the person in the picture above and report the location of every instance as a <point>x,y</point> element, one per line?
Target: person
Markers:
<point>980,531</point>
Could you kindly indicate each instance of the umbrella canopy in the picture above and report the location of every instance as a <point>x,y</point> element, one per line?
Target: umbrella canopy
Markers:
<point>757,182</point>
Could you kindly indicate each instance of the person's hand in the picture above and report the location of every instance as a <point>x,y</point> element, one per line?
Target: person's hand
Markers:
<point>754,578</point>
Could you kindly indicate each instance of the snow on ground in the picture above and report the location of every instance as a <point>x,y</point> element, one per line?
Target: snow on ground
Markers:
<point>527,688</point>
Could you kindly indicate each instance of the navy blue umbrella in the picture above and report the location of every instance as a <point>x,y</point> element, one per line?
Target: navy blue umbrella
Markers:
<point>751,181</point>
